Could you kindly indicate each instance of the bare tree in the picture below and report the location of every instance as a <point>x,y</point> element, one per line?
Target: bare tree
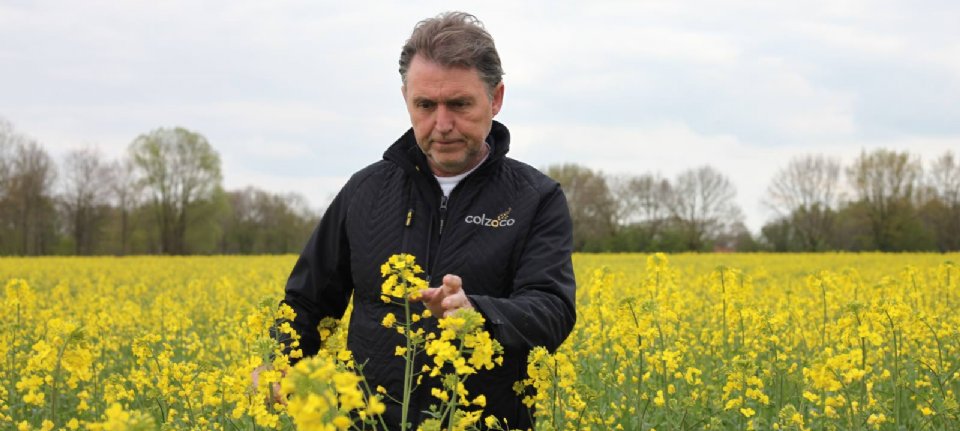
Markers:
<point>178,168</point>
<point>943,209</point>
<point>641,199</point>
<point>30,196</point>
<point>592,208</point>
<point>8,142</point>
<point>884,182</point>
<point>125,189</point>
<point>642,212</point>
<point>805,193</point>
<point>86,191</point>
<point>703,203</point>
<point>945,178</point>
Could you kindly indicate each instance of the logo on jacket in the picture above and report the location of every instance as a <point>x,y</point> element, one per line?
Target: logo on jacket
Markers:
<point>502,220</point>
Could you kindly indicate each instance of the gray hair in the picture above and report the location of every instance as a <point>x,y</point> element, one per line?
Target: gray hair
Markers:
<point>454,39</point>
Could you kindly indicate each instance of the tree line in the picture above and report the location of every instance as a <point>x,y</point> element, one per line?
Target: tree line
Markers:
<point>165,196</point>
<point>885,200</point>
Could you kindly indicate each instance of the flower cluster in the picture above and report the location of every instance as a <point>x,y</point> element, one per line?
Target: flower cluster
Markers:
<point>323,395</point>
<point>402,279</point>
<point>464,344</point>
<point>462,348</point>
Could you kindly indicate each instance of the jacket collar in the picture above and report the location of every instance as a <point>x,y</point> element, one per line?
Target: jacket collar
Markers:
<point>406,154</point>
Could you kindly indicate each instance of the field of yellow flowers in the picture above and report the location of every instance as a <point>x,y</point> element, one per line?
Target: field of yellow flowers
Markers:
<point>679,342</point>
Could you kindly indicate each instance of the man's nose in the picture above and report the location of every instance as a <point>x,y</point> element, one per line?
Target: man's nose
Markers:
<point>445,120</point>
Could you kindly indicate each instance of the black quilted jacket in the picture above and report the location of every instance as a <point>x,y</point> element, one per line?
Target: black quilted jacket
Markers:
<point>516,271</point>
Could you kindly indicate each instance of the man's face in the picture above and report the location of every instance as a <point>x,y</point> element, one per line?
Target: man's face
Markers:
<point>451,113</point>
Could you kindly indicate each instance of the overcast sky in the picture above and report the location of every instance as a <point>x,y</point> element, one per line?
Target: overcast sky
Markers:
<point>297,95</point>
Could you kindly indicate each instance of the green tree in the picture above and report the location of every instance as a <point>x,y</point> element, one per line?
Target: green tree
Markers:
<point>258,221</point>
<point>179,172</point>
<point>777,234</point>
<point>885,183</point>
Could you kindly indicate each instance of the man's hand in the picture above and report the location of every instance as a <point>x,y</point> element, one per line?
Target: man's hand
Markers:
<point>274,396</point>
<point>446,299</point>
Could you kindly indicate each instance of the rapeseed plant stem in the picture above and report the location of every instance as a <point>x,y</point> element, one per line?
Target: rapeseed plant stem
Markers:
<point>896,369</point>
<point>939,345</point>
<point>636,322</point>
<point>369,392</point>
<point>452,407</point>
<point>723,296</point>
<point>13,356</point>
<point>56,379</point>
<point>743,331</point>
<point>916,291</point>
<point>823,329</point>
<point>408,366</point>
<point>556,392</point>
<point>663,359</point>
<point>222,409</point>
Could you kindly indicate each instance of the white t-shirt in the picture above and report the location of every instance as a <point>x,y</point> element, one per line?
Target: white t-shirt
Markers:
<point>448,183</point>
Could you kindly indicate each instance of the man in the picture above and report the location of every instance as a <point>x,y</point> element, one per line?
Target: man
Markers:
<point>491,233</point>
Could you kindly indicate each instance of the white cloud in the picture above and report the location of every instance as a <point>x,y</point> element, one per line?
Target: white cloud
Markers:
<point>850,38</point>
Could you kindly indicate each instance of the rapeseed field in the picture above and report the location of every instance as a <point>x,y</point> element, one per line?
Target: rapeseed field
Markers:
<point>678,342</point>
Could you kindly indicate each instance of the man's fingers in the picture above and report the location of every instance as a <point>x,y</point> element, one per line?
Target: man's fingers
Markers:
<point>452,283</point>
<point>427,295</point>
<point>443,300</point>
<point>277,395</point>
<point>272,393</point>
<point>453,302</point>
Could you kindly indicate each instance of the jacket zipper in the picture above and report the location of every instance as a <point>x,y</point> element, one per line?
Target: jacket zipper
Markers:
<point>409,221</point>
<point>431,247</point>
<point>443,215</point>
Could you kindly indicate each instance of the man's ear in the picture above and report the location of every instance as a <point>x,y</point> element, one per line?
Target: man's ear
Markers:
<point>497,101</point>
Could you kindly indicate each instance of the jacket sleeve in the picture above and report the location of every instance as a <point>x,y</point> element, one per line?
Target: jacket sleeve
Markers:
<point>541,309</point>
<point>320,283</point>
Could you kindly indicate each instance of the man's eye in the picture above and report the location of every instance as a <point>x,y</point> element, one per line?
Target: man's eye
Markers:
<point>458,104</point>
<point>425,105</point>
